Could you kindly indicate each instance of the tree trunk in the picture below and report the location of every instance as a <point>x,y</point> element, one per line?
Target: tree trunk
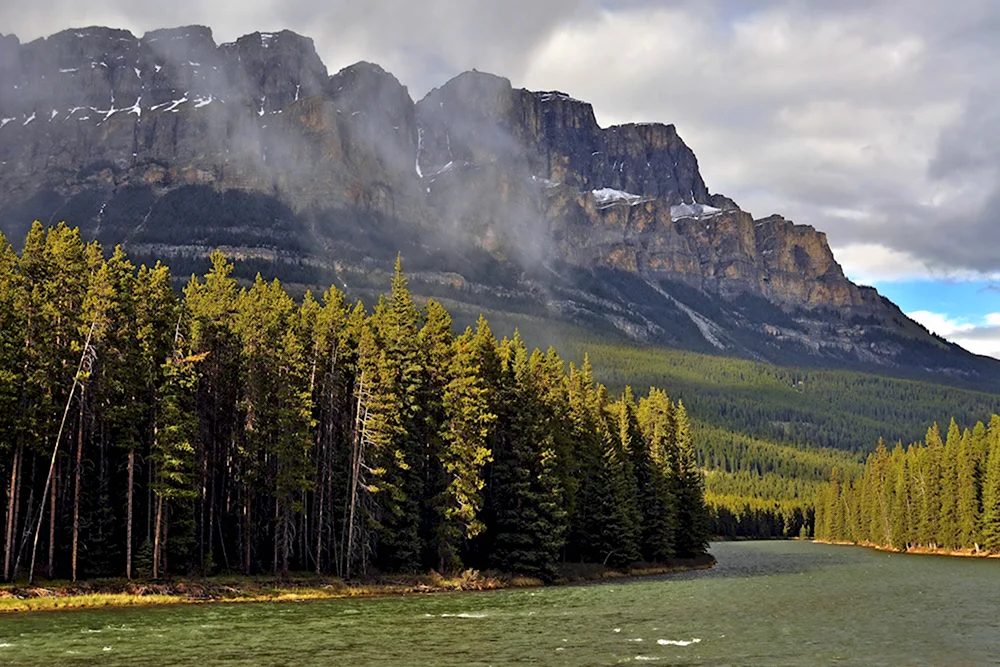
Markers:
<point>52,528</point>
<point>156,538</point>
<point>277,527</point>
<point>355,473</point>
<point>13,500</point>
<point>128,518</point>
<point>246,535</point>
<point>76,489</point>
<point>318,501</point>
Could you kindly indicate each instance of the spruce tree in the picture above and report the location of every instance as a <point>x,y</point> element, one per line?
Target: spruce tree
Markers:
<point>656,420</point>
<point>929,482</point>
<point>692,515</point>
<point>948,526</point>
<point>438,346</point>
<point>527,517</point>
<point>468,420</point>
<point>900,507</point>
<point>990,530</point>
<point>967,502</point>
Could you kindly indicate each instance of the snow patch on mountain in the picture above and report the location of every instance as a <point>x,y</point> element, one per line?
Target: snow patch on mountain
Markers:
<point>693,211</point>
<point>609,197</point>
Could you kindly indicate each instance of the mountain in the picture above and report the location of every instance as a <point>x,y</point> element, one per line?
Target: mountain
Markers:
<point>497,197</point>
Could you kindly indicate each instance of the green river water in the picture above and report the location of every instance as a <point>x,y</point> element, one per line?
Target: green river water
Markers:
<point>765,603</point>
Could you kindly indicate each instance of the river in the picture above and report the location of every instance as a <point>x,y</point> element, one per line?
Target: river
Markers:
<point>765,603</point>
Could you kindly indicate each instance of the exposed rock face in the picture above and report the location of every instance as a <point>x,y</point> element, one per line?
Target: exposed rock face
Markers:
<point>174,145</point>
<point>480,119</point>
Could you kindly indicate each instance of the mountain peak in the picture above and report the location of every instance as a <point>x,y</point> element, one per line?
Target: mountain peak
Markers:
<point>497,196</point>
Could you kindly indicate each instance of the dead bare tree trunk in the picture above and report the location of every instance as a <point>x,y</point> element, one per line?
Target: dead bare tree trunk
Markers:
<point>86,361</point>
<point>14,499</point>
<point>356,456</point>
<point>318,500</point>
<point>52,527</point>
<point>128,518</point>
<point>76,488</point>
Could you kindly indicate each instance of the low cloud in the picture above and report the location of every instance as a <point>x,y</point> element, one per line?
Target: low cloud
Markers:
<point>877,122</point>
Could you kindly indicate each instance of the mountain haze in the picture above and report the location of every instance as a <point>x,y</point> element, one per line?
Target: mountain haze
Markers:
<point>496,197</point>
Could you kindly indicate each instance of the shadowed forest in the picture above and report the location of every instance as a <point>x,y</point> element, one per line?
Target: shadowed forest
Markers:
<point>234,429</point>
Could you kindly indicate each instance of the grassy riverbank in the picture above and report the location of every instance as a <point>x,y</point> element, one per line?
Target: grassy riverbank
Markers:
<point>297,586</point>
<point>926,551</point>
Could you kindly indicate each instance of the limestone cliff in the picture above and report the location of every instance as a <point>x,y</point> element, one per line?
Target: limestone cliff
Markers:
<point>173,145</point>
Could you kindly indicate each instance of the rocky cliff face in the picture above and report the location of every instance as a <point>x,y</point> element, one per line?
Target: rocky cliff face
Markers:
<point>173,145</point>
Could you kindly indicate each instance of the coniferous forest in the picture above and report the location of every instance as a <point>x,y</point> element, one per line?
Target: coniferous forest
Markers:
<point>942,493</point>
<point>231,428</point>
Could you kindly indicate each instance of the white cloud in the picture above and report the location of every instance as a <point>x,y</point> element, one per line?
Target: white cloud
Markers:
<point>940,324</point>
<point>980,336</point>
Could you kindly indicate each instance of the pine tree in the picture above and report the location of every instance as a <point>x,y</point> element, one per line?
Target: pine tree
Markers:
<point>692,516</point>
<point>900,508</point>
<point>967,502</point>
<point>615,521</point>
<point>877,492</point>
<point>991,489</point>
<point>526,519</point>
<point>156,309</point>
<point>438,345</point>
<point>468,419</point>
<point>948,526</point>
<point>656,419</point>
<point>173,451</point>
<point>929,482</point>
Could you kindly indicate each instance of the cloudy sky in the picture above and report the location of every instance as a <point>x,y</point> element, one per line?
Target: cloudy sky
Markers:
<point>877,121</point>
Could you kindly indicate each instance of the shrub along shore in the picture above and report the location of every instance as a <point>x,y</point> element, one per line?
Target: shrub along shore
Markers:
<point>58,595</point>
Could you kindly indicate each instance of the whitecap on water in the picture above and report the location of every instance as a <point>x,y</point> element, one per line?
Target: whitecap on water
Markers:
<point>107,648</point>
<point>463,615</point>
<point>636,639</point>
<point>618,629</point>
<point>677,642</point>
<point>646,658</point>
<point>5,645</point>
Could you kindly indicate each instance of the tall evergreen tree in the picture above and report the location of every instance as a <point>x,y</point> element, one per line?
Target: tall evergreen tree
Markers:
<point>692,517</point>
<point>468,419</point>
<point>991,489</point>
<point>929,483</point>
<point>900,507</point>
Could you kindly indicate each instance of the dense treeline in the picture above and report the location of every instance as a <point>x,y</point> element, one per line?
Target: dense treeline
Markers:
<point>936,494</point>
<point>234,429</point>
<point>761,489</point>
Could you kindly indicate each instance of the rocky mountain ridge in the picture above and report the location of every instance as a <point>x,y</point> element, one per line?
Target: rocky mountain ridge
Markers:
<point>518,200</point>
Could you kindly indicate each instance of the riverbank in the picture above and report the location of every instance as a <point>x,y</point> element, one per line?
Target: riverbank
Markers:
<point>297,587</point>
<point>926,551</point>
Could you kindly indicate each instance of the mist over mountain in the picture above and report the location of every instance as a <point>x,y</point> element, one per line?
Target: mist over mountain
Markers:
<point>498,197</point>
